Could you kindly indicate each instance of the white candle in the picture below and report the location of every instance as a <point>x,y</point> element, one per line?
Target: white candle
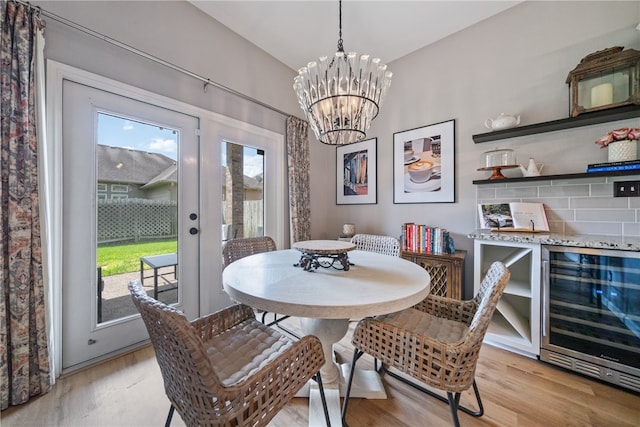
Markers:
<point>602,95</point>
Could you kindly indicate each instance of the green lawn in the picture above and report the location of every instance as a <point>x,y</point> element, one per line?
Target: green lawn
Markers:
<point>125,258</point>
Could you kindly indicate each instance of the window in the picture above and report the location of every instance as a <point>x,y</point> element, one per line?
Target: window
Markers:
<point>119,188</point>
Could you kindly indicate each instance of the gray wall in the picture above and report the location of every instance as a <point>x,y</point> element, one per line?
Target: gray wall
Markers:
<point>515,62</point>
<point>178,33</point>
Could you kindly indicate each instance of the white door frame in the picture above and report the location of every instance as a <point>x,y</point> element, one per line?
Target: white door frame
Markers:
<point>211,295</point>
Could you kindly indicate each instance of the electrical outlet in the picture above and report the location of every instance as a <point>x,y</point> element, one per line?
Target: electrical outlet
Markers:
<point>626,189</point>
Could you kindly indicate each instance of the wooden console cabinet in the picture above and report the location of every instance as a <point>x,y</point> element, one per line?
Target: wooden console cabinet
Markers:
<point>446,271</point>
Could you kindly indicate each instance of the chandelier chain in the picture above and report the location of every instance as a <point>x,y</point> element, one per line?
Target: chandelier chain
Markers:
<point>340,46</point>
<point>340,96</point>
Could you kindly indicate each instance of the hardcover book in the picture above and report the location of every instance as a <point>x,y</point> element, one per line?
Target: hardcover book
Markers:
<point>612,168</point>
<point>607,164</point>
<point>515,216</point>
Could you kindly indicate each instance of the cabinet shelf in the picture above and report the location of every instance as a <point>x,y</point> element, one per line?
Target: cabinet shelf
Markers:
<point>515,324</point>
<point>515,319</point>
<point>586,119</point>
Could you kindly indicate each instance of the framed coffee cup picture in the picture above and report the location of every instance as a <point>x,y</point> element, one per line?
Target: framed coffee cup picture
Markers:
<point>423,164</point>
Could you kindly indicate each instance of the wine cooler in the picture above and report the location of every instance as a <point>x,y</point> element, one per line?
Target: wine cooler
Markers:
<point>591,313</point>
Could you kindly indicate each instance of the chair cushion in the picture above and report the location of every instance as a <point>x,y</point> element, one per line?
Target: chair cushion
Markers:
<point>244,349</point>
<point>444,330</point>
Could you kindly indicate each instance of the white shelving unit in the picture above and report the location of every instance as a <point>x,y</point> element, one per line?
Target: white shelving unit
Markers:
<point>515,325</point>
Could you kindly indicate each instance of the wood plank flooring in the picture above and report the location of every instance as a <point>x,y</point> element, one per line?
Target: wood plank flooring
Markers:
<point>516,391</point>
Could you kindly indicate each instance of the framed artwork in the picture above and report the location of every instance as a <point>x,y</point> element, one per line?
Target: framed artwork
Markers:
<point>423,164</point>
<point>356,175</point>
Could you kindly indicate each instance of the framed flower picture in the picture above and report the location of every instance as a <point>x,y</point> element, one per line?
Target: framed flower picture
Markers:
<point>356,175</point>
<point>423,164</point>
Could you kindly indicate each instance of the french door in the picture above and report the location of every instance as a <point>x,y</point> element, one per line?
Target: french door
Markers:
<point>155,207</point>
<point>130,212</point>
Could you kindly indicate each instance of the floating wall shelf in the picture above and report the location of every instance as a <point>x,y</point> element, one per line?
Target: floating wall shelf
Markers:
<point>586,119</point>
<point>556,177</point>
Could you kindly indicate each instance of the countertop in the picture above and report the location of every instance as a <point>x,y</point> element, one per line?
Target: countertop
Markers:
<point>625,243</point>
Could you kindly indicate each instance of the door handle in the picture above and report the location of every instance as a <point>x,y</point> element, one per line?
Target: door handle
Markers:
<point>193,230</point>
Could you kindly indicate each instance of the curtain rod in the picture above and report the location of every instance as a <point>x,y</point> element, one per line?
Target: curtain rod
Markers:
<point>146,55</point>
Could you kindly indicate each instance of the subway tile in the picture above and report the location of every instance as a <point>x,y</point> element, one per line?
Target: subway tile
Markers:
<point>556,227</point>
<point>606,215</point>
<point>561,214</point>
<point>634,202</point>
<point>598,202</point>
<point>485,193</point>
<point>577,181</point>
<point>528,184</point>
<point>552,202</point>
<point>567,190</point>
<point>516,193</point>
<point>631,229</point>
<point>601,228</point>
<point>622,178</point>
<point>601,190</point>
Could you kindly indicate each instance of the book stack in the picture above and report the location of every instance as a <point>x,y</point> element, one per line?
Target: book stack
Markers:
<point>614,166</point>
<point>424,239</point>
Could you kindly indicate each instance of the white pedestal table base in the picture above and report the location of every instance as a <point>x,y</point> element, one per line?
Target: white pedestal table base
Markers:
<point>366,384</point>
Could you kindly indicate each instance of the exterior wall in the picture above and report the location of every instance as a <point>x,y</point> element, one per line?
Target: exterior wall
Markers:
<point>162,192</point>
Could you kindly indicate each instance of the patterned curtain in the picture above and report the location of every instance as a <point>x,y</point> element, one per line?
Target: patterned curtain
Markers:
<point>24,355</point>
<point>298,162</point>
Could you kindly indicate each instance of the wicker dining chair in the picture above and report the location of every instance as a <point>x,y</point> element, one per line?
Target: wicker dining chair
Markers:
<point>437,342</point>
<point>227,368</point>
<point>385,245</point>
<point>236,249</point>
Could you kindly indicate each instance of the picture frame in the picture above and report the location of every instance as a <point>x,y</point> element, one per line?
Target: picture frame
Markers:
<point>356,173</point>
<point>424,164</point>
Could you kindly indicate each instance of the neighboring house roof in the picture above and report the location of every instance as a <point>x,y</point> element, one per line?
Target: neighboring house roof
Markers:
<point>250,183</point>
<point>117,164</point>
<point>170,175</point>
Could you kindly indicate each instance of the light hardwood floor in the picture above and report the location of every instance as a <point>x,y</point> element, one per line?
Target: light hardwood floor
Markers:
<point>516,391</point>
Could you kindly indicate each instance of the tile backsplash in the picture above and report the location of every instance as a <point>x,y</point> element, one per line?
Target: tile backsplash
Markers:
<point>574,206</point>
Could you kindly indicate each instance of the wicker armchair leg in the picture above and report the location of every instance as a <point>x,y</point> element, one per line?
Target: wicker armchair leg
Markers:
<point>454,401</point>
<point>323,398</point>
<point>477,413</point>
<point>356,355</point>
<point>169,416</point>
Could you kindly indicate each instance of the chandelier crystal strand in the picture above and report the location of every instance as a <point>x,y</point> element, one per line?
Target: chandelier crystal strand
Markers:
<point>341,97</point>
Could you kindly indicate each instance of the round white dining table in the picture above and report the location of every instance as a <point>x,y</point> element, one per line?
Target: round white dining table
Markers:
<point>325,299</point>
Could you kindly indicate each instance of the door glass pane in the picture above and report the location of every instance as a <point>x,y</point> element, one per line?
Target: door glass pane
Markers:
<point>137,213</point>
<point>242,192</point>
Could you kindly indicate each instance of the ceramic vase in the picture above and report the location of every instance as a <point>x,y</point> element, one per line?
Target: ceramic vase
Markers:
<point>620,151</point>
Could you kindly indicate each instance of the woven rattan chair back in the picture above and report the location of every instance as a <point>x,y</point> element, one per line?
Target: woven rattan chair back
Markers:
<point>486,301</point>
<point>235,249</point>
<point>437,342</point>
<point>189,379</point>
<point>385,245</point>
<point>202,382</point>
